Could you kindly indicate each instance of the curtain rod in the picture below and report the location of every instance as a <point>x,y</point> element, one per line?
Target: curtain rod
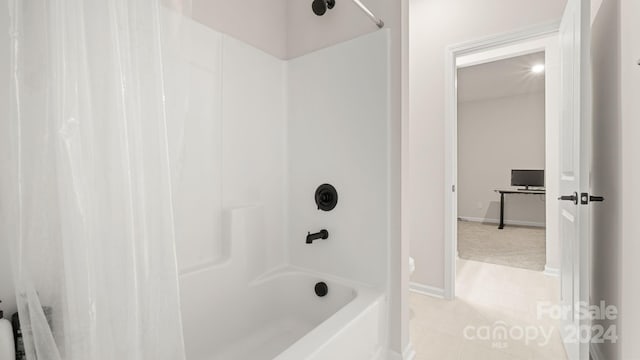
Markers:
<point>379,23</point>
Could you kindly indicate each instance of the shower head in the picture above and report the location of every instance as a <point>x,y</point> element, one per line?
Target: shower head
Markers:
<point>320,6</point>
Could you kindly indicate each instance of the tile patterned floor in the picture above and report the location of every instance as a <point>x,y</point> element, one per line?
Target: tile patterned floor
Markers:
<point>489,297</point>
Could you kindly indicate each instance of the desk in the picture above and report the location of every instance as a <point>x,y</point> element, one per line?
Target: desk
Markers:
<point>503,192</point>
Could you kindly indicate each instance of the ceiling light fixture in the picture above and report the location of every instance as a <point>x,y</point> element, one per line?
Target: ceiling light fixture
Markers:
<point>537,69</point>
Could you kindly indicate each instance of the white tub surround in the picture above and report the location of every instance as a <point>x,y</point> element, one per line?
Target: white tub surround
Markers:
<point>338,134</point>
<point>276,315</point>
<point>248,163</point>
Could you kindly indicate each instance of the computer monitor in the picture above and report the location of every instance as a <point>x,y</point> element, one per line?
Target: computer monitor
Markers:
<point>527,178</point>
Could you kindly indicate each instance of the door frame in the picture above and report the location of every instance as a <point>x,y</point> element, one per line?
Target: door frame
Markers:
<point>498,47</point>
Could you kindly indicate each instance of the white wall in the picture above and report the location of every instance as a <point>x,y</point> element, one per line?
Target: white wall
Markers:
<point>495,136</point>
<point>260,23</point>
<point>7,293</point>
<point>335,129</point>
<point>288,28</point>
<point>607,167</point>
<point>227,154</point>
<point>434,25</point>
<point>229,163</point>
<point>342,23</point>
<point>254,137</point>
<point>630,130</point>
<point>308,32</point>
<point>338,134</point>
<point>616,172</point>
<point>196,148</point>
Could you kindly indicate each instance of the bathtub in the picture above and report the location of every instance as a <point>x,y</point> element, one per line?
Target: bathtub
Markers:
<point>279,316</point>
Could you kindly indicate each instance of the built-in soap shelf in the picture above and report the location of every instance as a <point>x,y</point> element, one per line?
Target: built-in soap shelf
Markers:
<point>240,224</point>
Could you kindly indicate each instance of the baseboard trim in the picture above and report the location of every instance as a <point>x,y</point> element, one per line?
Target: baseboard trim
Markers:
<point>596,353</point>
<point>426,290</point>
<point>549,271</point>
<point>506,222</point>
<point>408,354</point>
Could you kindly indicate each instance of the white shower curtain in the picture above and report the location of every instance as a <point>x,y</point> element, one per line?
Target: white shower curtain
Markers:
<point>86,198</point>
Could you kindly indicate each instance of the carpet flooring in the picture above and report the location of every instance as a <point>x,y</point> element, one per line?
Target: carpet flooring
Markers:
<point>515,246</point>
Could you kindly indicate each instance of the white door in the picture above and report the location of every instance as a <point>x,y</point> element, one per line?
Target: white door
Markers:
<point>575,161</point>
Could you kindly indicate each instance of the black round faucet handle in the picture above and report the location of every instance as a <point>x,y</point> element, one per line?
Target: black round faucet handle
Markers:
<point>326,197</point>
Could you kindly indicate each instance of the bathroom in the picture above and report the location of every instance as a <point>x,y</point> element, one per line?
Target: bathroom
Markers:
<point>243,180</point>
<point>203,179</point>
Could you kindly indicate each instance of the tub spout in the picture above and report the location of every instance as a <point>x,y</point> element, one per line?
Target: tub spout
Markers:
<point>323,234</point>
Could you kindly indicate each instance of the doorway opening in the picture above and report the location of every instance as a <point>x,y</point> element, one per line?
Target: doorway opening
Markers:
<point>501,217</point>
<point>501,162</point>
<point>485,80</point>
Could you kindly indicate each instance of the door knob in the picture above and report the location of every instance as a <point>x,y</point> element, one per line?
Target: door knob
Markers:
<point>585,198</point>
<point>573,198</point>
